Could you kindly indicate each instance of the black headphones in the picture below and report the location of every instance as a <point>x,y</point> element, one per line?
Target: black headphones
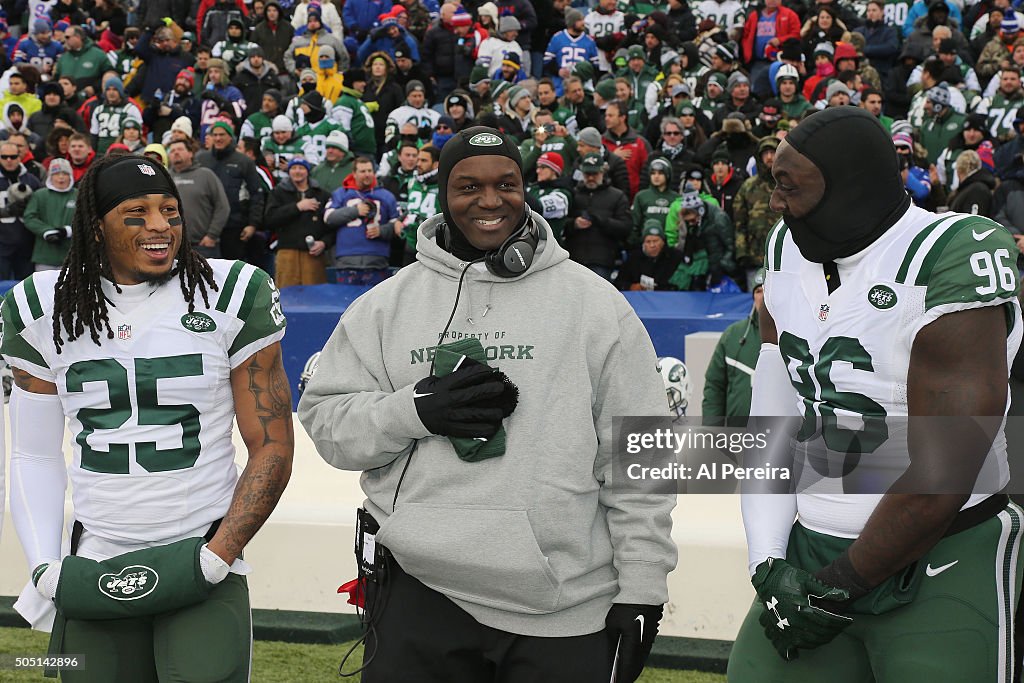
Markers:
<point>515,255</point>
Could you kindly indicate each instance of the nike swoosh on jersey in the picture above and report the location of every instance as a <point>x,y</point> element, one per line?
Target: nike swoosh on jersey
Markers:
<point>980,236</point>
<point>416,395</point>
<point>640,618</point>
<point>935,571</point>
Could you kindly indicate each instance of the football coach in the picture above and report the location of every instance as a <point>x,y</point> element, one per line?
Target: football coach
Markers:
<point>475,390</point>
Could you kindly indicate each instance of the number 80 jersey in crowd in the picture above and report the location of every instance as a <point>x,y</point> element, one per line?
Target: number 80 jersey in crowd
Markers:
<point>150,411</point>
<point>848,352</point>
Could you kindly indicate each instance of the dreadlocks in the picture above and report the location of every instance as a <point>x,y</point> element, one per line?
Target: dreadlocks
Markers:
<point>78,297</point>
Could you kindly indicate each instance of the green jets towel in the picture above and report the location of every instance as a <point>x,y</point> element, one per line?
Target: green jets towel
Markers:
<point>448,358</point>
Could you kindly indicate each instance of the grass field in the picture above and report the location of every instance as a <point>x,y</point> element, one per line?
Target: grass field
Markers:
<point>285,662</point>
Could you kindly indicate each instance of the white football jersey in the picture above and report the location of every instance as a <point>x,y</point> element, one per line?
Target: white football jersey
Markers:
<point>848,352</point>
<point>599,25</point>
<point>729,14</point>
<point>151,410</point>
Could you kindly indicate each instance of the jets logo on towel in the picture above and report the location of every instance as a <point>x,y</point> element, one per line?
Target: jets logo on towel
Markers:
<point>131,583</point>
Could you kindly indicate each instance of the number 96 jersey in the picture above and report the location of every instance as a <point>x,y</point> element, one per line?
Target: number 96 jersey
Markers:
<point>150,411</point>
<point>848,352</point>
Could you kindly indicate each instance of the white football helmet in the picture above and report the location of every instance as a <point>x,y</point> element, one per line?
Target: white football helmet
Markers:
<point>308,370</point>
<point>677,383</point>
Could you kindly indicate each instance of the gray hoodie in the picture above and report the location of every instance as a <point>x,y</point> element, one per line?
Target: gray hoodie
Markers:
<point>530,542</point>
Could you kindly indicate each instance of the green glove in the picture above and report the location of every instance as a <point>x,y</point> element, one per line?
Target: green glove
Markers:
<point>796,615</point>
<point>447,358</point>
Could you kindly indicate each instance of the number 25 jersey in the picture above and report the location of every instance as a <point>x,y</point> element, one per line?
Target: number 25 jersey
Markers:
<point>848,352</point>
<point>150,411</point>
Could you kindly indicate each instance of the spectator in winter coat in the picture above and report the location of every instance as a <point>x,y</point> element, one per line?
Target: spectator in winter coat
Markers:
<point>38,48</point>
<point>16,243</point>
<point>762,38</point>
<point>212,29</point>
<point>624,142</point>
<point>68,10</point>
<point>383,93</point>
<point>653,202</point>
<point>82,60</point>
<point>303,50</point>
<point>274,34</point>
<point>938,15</point>
<point>651,265</point>
<point>600,221</point>
<point>219,98</point>
<point>672,143</point>
<point>385,38</point>
<point>974,193</point>
<point>554,192</point>
<point>150,13</point>
<point>447,51</point>
<point>337,165</point>
<point>164,58</point>
<point>245,193</point>
<point>365,217</point>
<point>417,17</point>
<point>725,180</point>
<point>705,235</point>
<point>295,209</point>
<point>179,102</point>
<point>753,217</point>
<point>922,8</point>
<point>589,142</point>
<point>329,14</point>
<point>204,203</point>
<point>254,77</point>
<point>727,380</point>
<point>48,217</point>
<point>881,41</point>
<point>736,138</point>
<point>41,122</point>
<point>523,11</point>
<point>739,100</point>
<point>360,16</point>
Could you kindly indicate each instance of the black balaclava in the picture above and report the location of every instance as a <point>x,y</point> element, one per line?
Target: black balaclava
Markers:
<point>471,142</point>
<point>864,194</point>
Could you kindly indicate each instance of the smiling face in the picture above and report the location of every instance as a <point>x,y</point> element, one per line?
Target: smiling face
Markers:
<point>486,199</point>
<point>799,184</point>
<point>141,237</point>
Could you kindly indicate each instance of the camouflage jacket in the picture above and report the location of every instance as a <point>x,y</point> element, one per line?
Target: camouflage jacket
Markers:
<point>753,221</point>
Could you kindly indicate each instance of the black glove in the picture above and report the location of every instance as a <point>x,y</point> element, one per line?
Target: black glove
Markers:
<point>637,627</point>
<point>57,235</point>
<point>470,402</point>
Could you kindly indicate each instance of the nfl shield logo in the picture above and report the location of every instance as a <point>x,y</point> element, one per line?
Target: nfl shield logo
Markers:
<point>146,170</point>
<point>823,312</point>
<point>124,332</point>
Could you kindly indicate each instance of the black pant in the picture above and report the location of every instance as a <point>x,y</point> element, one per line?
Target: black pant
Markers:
<point>421,636</point>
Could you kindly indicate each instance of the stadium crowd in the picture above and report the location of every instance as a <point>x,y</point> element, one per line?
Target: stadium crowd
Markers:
<point>305,136</point>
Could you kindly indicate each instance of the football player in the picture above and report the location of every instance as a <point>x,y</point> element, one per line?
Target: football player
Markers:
<point>876,309</point>
<point>148,352</point>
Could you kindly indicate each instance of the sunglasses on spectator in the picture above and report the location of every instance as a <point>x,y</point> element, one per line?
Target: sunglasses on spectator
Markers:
<point>673,133</point>
<point>441,126</point>
<point>8,156</point>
